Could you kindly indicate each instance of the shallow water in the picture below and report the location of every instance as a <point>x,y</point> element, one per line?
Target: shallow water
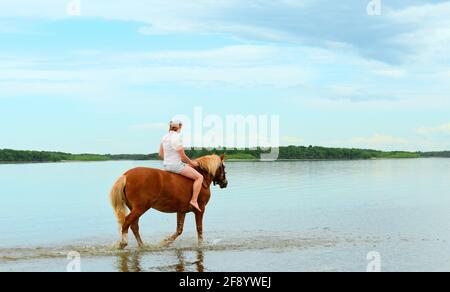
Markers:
<point>284,216</point>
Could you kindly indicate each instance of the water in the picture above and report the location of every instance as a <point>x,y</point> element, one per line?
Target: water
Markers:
<point>284,216</point>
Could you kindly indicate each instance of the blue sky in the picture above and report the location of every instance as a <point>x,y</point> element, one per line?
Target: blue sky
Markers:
<point>106,81</point>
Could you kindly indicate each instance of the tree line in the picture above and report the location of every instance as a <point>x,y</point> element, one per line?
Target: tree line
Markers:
<point>8,155</point>
<point>285,153</point>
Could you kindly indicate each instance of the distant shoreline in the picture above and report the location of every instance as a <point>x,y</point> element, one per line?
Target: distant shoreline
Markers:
<point>289,153</point>
<point>228,161</point>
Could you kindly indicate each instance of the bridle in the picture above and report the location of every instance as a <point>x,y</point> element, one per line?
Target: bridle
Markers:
<point>221,176</point>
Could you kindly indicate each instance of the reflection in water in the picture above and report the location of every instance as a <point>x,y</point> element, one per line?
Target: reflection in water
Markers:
<point>181,266</point>
<point>200,262</point>
<point>132,262</point>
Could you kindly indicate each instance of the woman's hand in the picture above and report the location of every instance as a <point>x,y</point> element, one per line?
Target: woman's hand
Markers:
<point>161,151</point>
<point>186,159</point>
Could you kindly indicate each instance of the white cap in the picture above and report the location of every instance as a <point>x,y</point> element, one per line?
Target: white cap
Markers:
<point>176,123</point>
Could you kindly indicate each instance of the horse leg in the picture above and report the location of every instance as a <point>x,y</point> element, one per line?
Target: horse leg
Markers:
<point>180,226</point>
<point>130,219</point>
<point>199,222</point>
<point>135,229</point>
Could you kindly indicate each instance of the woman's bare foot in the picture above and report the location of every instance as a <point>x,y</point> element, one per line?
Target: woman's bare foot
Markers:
<point>196,206</point>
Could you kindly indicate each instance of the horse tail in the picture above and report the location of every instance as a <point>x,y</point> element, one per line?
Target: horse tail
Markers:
<point>118,200</point>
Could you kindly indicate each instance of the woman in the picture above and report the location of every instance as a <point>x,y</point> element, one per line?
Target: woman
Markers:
<point>176,161</point>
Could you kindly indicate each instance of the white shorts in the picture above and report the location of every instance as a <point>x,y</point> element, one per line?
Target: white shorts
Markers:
<point>175,168</point>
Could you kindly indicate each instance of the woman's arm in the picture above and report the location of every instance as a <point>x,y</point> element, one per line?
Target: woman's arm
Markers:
<point>161,152</point>
<point>186,159</point>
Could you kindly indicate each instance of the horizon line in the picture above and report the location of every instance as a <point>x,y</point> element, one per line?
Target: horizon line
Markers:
<point>225,149</point>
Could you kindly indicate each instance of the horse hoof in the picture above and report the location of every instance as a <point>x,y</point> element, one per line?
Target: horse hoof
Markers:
<point>121,245</point>
<point>166,243</point>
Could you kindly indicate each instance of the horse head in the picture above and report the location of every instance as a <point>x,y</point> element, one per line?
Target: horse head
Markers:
<point>221,175</point>
<point>212,167</point>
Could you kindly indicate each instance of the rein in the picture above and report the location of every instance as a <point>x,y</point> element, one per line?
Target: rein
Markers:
<point>206,175</point>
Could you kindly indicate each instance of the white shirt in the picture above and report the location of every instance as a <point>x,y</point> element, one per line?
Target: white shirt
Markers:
<point>172,143</point>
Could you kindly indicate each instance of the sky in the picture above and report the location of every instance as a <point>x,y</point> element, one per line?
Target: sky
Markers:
<point>107,77</point>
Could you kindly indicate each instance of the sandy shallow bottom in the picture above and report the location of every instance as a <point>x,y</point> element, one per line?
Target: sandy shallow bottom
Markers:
<point>315,251</point>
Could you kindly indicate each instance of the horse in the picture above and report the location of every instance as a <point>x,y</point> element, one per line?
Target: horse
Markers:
<point>141,189</point>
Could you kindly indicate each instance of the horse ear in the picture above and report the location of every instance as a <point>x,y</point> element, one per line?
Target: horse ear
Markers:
<point>222,157</point>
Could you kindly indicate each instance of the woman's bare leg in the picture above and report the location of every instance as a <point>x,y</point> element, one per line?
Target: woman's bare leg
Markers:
<point>198,181</point>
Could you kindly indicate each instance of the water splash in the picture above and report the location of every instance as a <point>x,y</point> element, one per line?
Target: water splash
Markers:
<point>249,241</point>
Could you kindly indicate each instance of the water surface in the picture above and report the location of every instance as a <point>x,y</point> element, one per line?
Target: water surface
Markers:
<point>283,216</point>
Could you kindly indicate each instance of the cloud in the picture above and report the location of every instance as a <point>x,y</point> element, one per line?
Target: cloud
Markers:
<point>6,63</point>
<point>312,23</point>
<point>94,73</point>
<point>8,29</point>
<point>346,90</point>
<point>379,139</point>
<point>310,77</point>
<point>149,126</point>
<point>17,82</point>
<point>428,32</point>
<point>391,72</point>
<point>233,55</point>
<point>441,129</point>
<point>291,140</point>
<point>302,55</point>
<point>376,141</point>
<point>415,14</point>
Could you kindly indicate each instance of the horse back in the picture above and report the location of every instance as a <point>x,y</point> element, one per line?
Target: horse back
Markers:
<point>158,189</point>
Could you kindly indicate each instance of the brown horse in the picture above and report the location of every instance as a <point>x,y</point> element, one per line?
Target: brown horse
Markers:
<point>141,189</point>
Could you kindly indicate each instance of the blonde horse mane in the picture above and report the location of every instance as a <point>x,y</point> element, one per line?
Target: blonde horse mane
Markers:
<point>210,163</point>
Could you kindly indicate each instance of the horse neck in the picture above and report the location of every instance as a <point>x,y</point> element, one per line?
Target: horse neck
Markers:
<point>208,179</point>
<point>207,182</point>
